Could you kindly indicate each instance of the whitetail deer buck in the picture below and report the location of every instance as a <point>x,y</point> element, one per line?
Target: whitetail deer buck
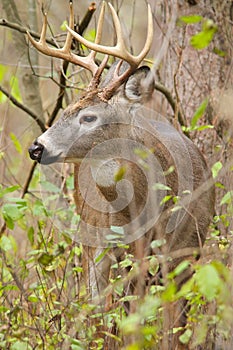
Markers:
<point>127,159</point>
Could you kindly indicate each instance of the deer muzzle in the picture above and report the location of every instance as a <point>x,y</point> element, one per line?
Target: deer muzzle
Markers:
<point>38,152</point>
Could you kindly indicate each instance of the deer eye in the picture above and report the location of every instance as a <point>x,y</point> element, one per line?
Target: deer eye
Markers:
<point>87,119</point>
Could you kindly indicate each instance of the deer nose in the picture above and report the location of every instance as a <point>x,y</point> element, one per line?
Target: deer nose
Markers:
<point>36,151</point>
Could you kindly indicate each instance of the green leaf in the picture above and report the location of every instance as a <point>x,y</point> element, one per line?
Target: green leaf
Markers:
<point>216,168</point>
<point>219,52</point>
<point>31,235</point>
<point>126,262</point>
<point>3,97</point>
<point>176,208</point>
<point>186,288</point>
<point>77,347</point>
<point>203,127</point>
<point>130,324</point>
<point>203,39</point>
<point>33,298</point>
<point>219,185</point>
<point>15,90</point>
<point>199,113</point>
<point>90,35</point>
<point>157,243</point>
<point>70,182</point>
<point>191,19</point>
<point>101,255</point>
<point>16,143</point>
<point>186,336</point>
<point>159,186</point>
<point>222,269</point>
<point>5,243</point>
<point>50,187</point>
<point>45,259</point>
<point>154,265</point>
<point>170,292</point>
<point>165,199</point>
<point>143,154</point>
<point>208,281</point>
<point>179,269</point>
<point>38,208</point>
<point>169,170</point>
<point>10,189</point>
<point>20,345</point>
<point>12,210</point>
<point>8,243</point>
<point>3,71</point>
<point>20,202</point>
<point>134,346</point>
<point>118,176</point>
<point>63,26</point>
<point>227,198</point>
<point>117,229</point>
<point>9,222</point>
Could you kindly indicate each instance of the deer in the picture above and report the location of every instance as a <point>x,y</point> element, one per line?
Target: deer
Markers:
<point>135,174</point>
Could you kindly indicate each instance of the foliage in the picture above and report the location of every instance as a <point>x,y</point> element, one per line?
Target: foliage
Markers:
<point>13,84</point>
<point>202,39</point>
<point>44,300</point>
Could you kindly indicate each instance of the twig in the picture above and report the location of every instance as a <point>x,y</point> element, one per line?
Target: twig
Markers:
<point>161,88</point>
<point>61,93</point>
<point>5,23</point>
<point>179,52</point>
<point>87,18</point>
<point>3,228</point>
<point>28,180</point>
<point>24,108</point>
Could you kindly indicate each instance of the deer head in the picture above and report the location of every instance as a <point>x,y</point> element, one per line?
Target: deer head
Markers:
<point>79,116</point>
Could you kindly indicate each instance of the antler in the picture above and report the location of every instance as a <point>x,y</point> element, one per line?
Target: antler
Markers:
<point>119,50</point>
<point>65,53</point>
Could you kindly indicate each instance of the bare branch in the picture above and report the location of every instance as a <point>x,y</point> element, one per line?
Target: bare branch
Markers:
<point>87,18</point>
<point>24,108</point>
<point>60,94</point>
<point>5,23</point>
<point>28,180</point>
<point>161,88</point>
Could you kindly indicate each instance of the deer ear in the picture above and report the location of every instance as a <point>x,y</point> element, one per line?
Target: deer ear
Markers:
<point>140,86</point>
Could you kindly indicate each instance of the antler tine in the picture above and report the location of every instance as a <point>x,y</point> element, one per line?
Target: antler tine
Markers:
<point>100,24</point>
<point>95,81</point>
<point>65,52</point>
<point>134,61</point>
<point>120,46</point>
<point>119,50</point>
<point>98,30</point>
<point>69,37</point>
<point>42,42</point>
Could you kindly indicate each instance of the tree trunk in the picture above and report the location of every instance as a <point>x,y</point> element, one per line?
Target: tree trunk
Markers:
<point>29,84</point>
